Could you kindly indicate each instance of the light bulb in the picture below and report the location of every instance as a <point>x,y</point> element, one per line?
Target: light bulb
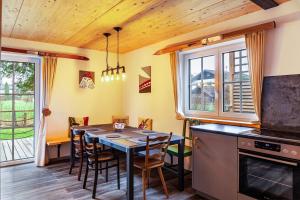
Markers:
<point>102,78</point>
<point>106,78</point>
<point>123,76</point>
<point>117,77</point>
<point>112,77</point>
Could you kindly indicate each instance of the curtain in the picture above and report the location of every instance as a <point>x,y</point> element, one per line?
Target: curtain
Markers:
<point>48,74</point>
<point>255,44</point>
<point>176,85</point>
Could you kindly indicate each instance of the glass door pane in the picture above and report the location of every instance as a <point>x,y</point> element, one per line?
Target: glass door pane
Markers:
<point>17,111</point>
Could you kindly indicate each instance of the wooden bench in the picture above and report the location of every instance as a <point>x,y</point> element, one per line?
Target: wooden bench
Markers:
<point>57,142</point>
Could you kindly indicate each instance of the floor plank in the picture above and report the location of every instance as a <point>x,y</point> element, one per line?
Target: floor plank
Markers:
<point>53,182</point>
<point>23,149</point>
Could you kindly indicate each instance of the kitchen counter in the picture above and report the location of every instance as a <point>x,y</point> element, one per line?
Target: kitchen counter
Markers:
<point>239,131</point>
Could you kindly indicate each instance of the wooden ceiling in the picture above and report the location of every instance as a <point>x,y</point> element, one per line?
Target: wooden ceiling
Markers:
<point>80,23</point>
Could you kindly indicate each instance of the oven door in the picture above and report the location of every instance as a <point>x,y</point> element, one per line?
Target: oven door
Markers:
<point>268,177</point>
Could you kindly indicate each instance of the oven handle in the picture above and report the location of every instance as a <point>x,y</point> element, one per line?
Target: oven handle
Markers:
<point>270,159</point>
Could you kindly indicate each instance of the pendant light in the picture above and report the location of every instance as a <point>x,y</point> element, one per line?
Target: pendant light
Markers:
<point>109,73</point>
<point>105,73</point>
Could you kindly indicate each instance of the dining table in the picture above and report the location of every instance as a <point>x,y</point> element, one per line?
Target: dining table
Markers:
<point>131,140</point>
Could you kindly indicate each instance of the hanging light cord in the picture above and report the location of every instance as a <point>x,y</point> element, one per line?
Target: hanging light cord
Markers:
<point>118,49</point>
<point>107,53</point>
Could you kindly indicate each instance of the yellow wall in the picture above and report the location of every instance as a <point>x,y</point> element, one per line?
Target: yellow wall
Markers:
<point>68,99</point>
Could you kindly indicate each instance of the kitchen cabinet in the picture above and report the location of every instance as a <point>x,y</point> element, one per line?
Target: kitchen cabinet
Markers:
<point>215,165</point>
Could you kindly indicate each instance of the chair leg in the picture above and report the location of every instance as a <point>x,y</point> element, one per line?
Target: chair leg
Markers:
<point>86,174</point>
<point>118,173</point>
<point>106,172</point>
<point>80,167</point>
<point>144,183</point>
<point>100,167</point>
<point>172,160</point>
<point>163,181</point>
<point>95,180</point>
<point>71,167</point>
<point>148,177</point>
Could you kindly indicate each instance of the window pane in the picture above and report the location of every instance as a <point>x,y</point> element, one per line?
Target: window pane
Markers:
<point>6,75</point>
<point>24,78</point>
<point>244,60</point>
<point>237,96</point>
<point>24,102</point>
<point>228,97</point>
<point>245,68</point>
<point>209,83</point>
<point>244,52</point>
<point>202,84</point>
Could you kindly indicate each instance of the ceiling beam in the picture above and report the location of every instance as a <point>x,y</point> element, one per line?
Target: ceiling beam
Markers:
<point>265,4</point>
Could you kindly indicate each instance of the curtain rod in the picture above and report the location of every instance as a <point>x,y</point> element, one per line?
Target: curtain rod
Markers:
<point>221,37</point>
<point>43,53</point>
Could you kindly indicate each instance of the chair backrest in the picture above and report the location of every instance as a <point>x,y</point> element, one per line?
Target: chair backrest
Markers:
<point>145,123</point>
<point>90,144</point>
<point>78,144</point>
<point>187,123</point>
<point>156,148</point>
<point>120,119</point>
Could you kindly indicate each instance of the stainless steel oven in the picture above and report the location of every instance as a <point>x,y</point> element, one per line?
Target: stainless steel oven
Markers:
<point>268,170</point>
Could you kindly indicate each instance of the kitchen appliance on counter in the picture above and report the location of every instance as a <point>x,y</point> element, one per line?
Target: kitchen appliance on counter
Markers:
<point>269,159</point>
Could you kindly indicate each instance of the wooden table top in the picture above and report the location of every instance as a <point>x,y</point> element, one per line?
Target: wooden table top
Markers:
<point>130,137</point>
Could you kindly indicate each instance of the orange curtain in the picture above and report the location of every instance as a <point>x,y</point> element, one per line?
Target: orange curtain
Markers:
<point>174,72</point>
<point>48,74</point>
<point>255,44</point>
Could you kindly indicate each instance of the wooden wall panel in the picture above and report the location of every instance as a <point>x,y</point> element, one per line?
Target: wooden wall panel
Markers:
<point>81,23</point>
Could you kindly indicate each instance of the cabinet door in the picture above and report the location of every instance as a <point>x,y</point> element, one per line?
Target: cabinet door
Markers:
<point>215,165</point>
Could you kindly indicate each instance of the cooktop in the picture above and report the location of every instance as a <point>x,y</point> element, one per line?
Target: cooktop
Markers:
<point>279,136</point>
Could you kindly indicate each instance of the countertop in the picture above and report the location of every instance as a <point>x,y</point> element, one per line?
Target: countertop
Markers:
<point>285,136</point>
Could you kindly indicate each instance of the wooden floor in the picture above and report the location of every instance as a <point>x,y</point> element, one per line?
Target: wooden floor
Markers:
<point>53,182</point>
<point>23,149</point>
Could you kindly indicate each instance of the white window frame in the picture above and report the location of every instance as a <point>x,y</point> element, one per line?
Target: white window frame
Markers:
<point>216,50</point>
<point>14,57</point>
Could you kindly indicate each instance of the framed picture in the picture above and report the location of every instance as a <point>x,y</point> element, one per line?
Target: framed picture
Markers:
<point>145,80</point>
<point>86,79</point>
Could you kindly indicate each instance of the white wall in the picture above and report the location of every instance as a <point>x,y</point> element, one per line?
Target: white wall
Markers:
<point>68,99</point>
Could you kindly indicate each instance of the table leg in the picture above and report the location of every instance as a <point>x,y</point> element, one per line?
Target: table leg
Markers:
<point>181,165</point>
<point>129,168</point>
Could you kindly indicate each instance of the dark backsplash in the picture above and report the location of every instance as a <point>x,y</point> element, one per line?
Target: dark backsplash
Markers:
<point>281,103</point>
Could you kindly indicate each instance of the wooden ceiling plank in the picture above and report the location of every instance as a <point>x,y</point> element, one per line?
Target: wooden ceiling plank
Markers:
<point>184,23</point>
<point>81,24</point>
<point>115,17</point>
<point>55,21</point>
<point>10,12</point>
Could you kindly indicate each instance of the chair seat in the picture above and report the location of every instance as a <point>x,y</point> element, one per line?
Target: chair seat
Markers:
<point>173,150</point>
<point>139,162</point>
<point>103,156</point>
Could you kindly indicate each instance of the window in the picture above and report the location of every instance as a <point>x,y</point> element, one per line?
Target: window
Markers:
<point>216,82</point>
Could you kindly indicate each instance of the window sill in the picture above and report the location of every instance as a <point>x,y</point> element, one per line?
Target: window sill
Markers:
<point>228,122</point>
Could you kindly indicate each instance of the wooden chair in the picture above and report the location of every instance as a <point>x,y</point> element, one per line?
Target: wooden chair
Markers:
<point>95,157</point>
<point>120,119</point>
<point>155,158</point>
<point>145,123</point>
<point>173,149</point>
<point>77,150</point>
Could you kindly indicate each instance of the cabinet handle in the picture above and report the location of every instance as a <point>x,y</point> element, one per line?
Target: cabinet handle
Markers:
<point>196,142</point>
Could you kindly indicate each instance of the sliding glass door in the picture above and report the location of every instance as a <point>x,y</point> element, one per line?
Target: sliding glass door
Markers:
<point>18,107</point>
